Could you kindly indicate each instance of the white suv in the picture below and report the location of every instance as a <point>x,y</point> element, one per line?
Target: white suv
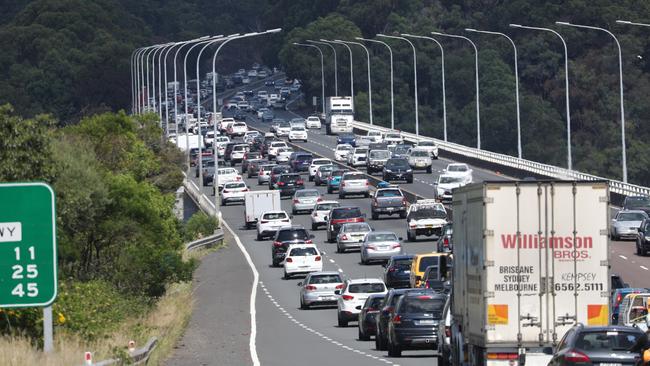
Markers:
<point>315,164</point>
<point>353,296</point>
<point>313,122</point>
<point>301,259</point>
<point>354,183</point>
<point>298,133</point>
<point>270,222</point>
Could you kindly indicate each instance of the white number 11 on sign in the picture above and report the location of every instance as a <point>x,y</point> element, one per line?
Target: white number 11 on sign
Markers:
<point>32,255</point>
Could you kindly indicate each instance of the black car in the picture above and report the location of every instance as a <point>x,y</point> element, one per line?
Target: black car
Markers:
<point>637,203</point>
<point>266,143</point>
<point>339,216</point>
<point>254,167</point>
<point>397,169</point>
<point>594,345</point>
<point>397,271</point>
<point>228,150</point>
<point>415,323</point>
<point>347,138</point>
<point>289,183</point>
<point>445,243</point>
<point>385,314</point>
<point>276,172</point>
<point>287,236</point>
<point>368,316</point>
<point>251,155</point>
<point>301,162</point>
<point>642,242</point>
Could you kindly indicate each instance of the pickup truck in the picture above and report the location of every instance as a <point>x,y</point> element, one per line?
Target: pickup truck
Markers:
<point>388,201</point>
<point>425,217</point>
<point>376,160</point>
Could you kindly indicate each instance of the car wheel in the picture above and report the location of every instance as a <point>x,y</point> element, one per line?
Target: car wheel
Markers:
<point>402,215</point>
<point>341,195</point>
<point>223,203</point>
<point>379,344</point>
<point>375,216</point>
<point>394,350</point>
<point>286,275</point>
<point>329,238</point>
<point>259,237</point>
<point>410,237</point>
<point>638,248</point>
<point>311,178</point>
<point>362,335</point>
<point>293,211</point>
<point>303,306</point>
<point>232,163</point>
<point>329,190</point>
<point>429,169</point>
<point>317,183</point>
<point>342,322</point>
<point>644,252</point>
<point>409,180</point>
<point>314,227</point>
<point>366,195</point>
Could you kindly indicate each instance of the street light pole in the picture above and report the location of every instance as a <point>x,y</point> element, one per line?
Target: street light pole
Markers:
<point>146,75</point>
<point>566,83</point>
<point>336,79</point>
<point>444,97</point>
<point>322,71</point>
<point>351,67</point>
<point>138,80</point>
<point>369,83</point>
<point>478,104</point>
<point>153,74</point>
<point>392,101</point>
<point>516,82</point>
<point>164,50</point>
<point>415,79</point>
<point>133,75</point>
<point>620,79</point>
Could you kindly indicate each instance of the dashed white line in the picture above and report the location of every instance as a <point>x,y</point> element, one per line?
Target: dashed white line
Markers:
<point>623,257</point>
<point>332,261</point>
<point>644,268</point>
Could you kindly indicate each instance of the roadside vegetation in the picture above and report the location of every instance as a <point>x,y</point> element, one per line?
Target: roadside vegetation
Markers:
<point>122,271</point>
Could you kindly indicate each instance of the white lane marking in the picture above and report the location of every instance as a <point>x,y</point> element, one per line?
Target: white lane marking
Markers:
<point>623,257</point>
<point>340,270</point>
<point>256,277</point>
<point>332,261</point>
<point>644,267</point>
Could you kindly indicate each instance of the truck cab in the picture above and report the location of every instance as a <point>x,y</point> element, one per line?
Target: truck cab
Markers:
<point>339,115</point>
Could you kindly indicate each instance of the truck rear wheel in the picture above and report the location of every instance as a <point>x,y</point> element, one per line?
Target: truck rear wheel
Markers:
<point>394,350</point>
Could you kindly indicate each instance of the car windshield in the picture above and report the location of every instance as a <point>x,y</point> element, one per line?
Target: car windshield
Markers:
<point>381,154</point>
<point>326,206</point>
<point>346,213</point>
<point>274,216</point>
<point>419,153</point>
<point>253,155</point>
<point>307,193</point>
<point>239,124</point>
<point>235,185</point>
<point>631,216</point>
<point>389,193</point>
<point>366,288</point>
<point>278,144</point>
<point>354,176</point>
<point>361,150</point>
<point>297,128</point>
<point>227,171</point>
<point>304,158</point>
<point>637,202</point>
<point>357,228</point>
<point>606,340</point>
<point>303,252</point>
<point>428,261</point>
<point>457,168</point>
<point>330,278</point>
<point>397,164</point>
<point>326,168</point>
<point>446,179</point>
<point>285,124</point>
<point>382,237</point>
<point>427,213</point>
<point>401,150</point>
<point>344,147</point>
<point>422,304</point>
<point>266,167</point>
<point>321,162</point>
<point>293,234</point>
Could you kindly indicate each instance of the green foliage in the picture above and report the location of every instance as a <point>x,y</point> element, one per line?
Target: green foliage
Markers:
<point>200,225</point>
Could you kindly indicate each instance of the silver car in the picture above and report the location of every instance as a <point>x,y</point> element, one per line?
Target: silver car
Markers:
<point>626,223</point>
<point>380,246</point>
<point>318,289</point>
<point>264,174</point>
<point>351,236</point>
<point>354,183</point>
<point>305,200</point>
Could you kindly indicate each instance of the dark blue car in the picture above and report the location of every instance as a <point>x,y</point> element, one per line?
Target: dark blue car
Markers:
<point>301,162</point>
<point>398,271</point>
<point>347,138</point>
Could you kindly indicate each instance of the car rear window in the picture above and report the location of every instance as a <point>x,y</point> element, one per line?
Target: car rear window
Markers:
<point>303,252</point>
<point>326,168</point>
<point>307,193</point>
<point>422,304</point>
<point>274,216</point>
<point>397,163</point>
<point>428,261</point>
<point>389,193</point>
<point>354,176</point>
<point>419,154</point>
<point>403,263</point>
<point>293,234</point>
<point>235,185</point>
<point>380,154</point>
<point>366,288</point>
<point>457,168</point>
<point>382,237</point>
<point>333,278</point>
<point>356,228</point>
<point>426,143</point>
<point>337,173</point>
<point>304,157</point>
<point>321,162</point>
<point>374,302</point>
<point>394,298</point>
<point>326,206</point>
<point>606,341</point>
<point>289,177</point>
<point>281,169</point>
<point>346,213</point>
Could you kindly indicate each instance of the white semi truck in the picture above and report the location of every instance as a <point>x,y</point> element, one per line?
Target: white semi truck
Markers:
<point>530,261</point>
<point>339,115</point>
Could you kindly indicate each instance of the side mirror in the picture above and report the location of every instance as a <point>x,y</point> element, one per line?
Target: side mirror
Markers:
<point>400,238</point>
<point>325,218</point>
<point>358,307</point>
<point>337,292</point>
<point>291,216</point>
<point>312,236</point>
<point>299,284</point>
<point>385,264</point>
<point>613,220</point>
<point>548,350</point>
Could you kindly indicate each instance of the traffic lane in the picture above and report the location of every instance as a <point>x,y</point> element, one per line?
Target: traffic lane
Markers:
<point>633,268</point>
<point>286,292</point>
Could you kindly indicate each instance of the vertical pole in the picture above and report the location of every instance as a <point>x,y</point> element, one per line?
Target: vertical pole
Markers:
<point>48,337</point>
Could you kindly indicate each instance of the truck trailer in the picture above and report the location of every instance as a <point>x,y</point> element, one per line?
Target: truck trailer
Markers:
<point>339,115</point>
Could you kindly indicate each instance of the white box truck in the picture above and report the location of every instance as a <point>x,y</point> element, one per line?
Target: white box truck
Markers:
<point>530,261</point>
<point>258,202</point>
<point>339,115</point>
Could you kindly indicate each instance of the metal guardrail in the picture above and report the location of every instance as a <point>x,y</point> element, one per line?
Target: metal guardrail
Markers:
<point>208,241</point>
<point>139,356</point>
<point>533,167</point>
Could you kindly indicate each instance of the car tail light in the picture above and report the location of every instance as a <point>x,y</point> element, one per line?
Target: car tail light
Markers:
<point>317,259</point>
<point>404,200</point>
<point>344,237</point>
<point>310,288</point>
<point>397,319</point>
<point>426,285</point>
<point>392,269</point>
<point>509,356</point>
<point>238,178</point>
<point>412,226</point>
<point>309,241</point>
<point>300,181</point>
<point>264,222</point>
<point>447,331</point>
<point>338,287</point>
<point>342,184</point>
<point>285,220</point>
<point>277,243</point>
<point>395,246</point>
<point>367,184</point>
<point>576,356</point>
<point>329,178</point>
<point>319,199</point>
<point>288,260</point>
<point>446,242</point>
<point>372,247</point>
<point>314,214</point>
<point>280,184</point>
<point>347,297</point>
<point>296,201</point>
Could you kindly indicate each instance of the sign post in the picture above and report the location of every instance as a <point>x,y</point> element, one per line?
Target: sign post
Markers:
<point>28,252</point>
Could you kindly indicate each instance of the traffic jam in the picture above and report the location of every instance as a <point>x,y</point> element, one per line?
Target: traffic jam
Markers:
<point>505,273</point>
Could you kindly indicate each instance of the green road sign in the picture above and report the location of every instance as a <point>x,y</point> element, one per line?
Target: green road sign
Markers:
<point>28,272</point>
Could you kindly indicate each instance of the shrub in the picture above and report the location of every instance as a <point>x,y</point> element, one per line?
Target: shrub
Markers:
<point>199,225</point>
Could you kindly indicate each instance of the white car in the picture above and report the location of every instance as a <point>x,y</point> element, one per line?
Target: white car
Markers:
<point>273,149</point>
<point>283,129</point>
<point>225,123</point>
<point>318,288</point>
<point>301,259</point>
<point>342,151</point>
<point>238,129</point>
<point>393,138</point>
<point>429,146</point>
<point>283,155</point>
<point>233,192</point>
<point>320,212</point>
<point>298,133</point>
<point>446,183</point>
<point>262,94</point>
<point>364,141</point>
<point>260,112</point>
<point>459,170</point>
<point>313,122</point>
<point>353,295</point>
<point>270,221</point>
<point>425,217</point>
<point>250,135</point>
<point>238,152</point>
<point>376,136</point>
<point>227,175</point>
<point>209,138</point>
<point>358,156</point>
<point>315,164</point>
